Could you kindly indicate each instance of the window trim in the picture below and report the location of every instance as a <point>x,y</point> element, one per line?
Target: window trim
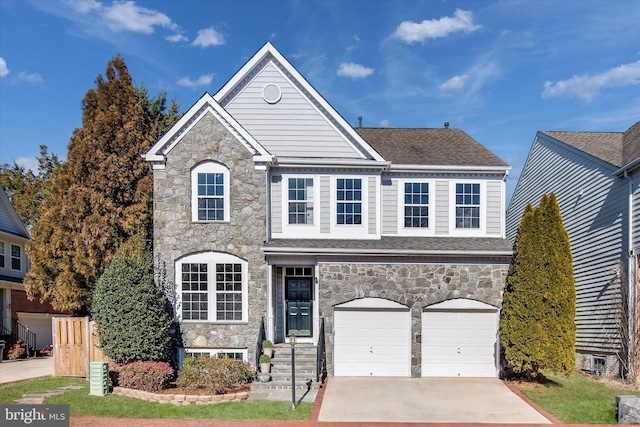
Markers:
<point>474,232</point>
<point>212,352</point>
<point>3,254</point>
<point>12,257</point>
<point>312,200</point>
<point>211,259</point>
<point>210,167</point>
<point>416,231</point>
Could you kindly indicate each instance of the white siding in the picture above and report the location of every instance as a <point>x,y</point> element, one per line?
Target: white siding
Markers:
<point>494,208</point>
<point>373,205</point>
<point>389,206</point>
<point>291,127</point>
<point>325,204</point>
<point>593,207</point>
<point>442,207</point>
<point>276,203</point>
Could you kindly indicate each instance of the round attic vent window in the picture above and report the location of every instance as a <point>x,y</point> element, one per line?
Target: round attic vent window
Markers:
<point>271,93</point>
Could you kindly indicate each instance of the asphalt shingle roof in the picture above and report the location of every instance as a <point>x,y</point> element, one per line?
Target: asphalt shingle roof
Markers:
<point>606,146</point>
<point>390,244</point>
<point>441,147</point>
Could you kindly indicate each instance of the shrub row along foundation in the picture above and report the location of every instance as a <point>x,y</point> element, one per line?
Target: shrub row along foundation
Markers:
<point>180,399</point>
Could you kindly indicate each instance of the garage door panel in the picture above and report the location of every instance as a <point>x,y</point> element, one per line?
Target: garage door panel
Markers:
<point>377,343</point>
<point>459,343</point>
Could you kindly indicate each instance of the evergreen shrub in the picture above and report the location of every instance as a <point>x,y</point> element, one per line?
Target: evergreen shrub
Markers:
<point>218,374</point>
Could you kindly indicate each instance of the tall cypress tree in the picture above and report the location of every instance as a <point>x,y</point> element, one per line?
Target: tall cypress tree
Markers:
<point>101,197</point>
<point>537,327</point>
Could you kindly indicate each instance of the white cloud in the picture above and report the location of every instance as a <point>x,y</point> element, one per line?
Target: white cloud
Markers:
<point>204,80</point>
<point>31,78</point>
<point>456,82</point>
<point>127,16</point>
<point>384,123</point>
<point>28,163</point>
<point>209,37</point>
<point>355,71</point>
<point>84,6</point>
<point>175,38</point>
<point>3,68</point>
<point>411,32</point>
<point>585,87</point>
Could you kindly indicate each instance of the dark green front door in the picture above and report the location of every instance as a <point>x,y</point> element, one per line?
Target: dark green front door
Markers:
<point>299,305</point>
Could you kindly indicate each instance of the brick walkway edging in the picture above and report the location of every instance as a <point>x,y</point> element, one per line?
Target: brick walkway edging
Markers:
<point>180,399</point>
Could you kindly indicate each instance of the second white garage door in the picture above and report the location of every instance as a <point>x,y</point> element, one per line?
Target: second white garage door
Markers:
<point>372,337</point>
<point>459,339</point>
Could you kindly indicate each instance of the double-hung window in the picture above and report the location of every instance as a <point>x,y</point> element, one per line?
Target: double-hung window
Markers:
<point>2,256</point>
<point>210,192</point>
<point>467,205</point>
<point>213,287</point>
<point>300,200</point>
<point>16,257</point>
<point>349,201</point>
<point>416,204</point>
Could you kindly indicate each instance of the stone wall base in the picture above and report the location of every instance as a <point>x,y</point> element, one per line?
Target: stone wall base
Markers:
<point>180,399</point>
<point>628,409</point>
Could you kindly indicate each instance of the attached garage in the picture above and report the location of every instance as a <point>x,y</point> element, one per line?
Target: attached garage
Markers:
<point>372,337</point>
<point>39,324</point>
<point>459,339</point>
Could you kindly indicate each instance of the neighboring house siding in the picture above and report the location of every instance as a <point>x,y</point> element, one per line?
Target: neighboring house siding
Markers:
<point>592,203</point>
<point>373,205</point>
<point>290,127</point>
<point>177,236</point>
<point>636,210</point>
<point>325,205</point>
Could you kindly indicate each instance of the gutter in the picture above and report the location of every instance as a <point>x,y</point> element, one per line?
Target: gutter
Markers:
<point>389,252</point>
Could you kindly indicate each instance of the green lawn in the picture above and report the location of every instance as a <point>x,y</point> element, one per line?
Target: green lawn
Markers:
<point>576,399</point>
<point>82,404</point>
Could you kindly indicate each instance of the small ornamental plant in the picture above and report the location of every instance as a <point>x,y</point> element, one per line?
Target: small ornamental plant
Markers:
<point>265,359</point>
<point>267,344</point>
<point>146,376</point>
<point>216,375</point>
<point>17,351</point>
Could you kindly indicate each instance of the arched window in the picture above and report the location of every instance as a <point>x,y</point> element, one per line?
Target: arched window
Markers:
<point>212,287</point>
<point>210,192</point>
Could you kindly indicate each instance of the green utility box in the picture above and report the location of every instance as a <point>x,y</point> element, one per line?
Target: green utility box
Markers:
<point>99,378</point>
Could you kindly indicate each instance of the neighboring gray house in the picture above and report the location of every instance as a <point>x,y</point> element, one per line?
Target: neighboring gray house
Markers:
<point>385,246</point>
<point>20,318</point>
<point>596,179</point>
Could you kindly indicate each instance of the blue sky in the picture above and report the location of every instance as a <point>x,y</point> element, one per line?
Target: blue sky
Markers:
<point>499,70</point>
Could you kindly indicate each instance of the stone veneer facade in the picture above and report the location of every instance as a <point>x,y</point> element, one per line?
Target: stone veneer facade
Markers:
<point>415,285</point>
<point>176,235</point>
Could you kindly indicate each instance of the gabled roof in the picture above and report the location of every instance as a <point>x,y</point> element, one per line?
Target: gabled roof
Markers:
<point>14,225</point>
<point>267,55</point>
<point>606,146</point>
<point>433,147</point>
<point>205,105</point>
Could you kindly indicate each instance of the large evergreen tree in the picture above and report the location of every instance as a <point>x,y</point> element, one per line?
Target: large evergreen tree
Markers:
<point>163,117</point>
<point>28,190</point>
<point>101,197</point>
<point>537,327</point>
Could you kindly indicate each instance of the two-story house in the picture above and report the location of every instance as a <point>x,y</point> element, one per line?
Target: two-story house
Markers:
<point>385,245</point>
<point>595,176</point>
<point>20,318</point>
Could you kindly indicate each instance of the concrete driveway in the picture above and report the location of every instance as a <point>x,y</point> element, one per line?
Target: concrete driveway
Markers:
<point>424,400</point>
<point>24,369</point>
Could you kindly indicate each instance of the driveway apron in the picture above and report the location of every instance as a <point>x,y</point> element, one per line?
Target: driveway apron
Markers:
<point>424,400</point>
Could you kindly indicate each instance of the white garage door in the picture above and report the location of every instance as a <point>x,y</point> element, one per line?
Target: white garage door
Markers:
<point>39,324</point>
<point>372,337</point>
<point>459,339</point>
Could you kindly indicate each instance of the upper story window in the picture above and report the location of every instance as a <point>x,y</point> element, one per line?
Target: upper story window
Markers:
<point>349,200</point>
<point>210,192</point>
<point>16,257</point>
<point>2,258</point>
<point>300,200</point>
<point>213,287</point>
<point>416,204</point>
<point>467,205</point>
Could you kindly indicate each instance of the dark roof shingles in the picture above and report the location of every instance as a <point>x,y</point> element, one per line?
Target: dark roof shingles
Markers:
<point>435,147</point>
<point>605,146</point>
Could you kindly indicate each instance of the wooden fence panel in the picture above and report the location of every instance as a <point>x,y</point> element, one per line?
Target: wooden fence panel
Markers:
<point>95,353</point>
<point>70,346</point>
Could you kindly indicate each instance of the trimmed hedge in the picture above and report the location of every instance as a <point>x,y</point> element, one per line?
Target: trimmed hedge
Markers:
<point>146,376</point>
<point>220,375</point>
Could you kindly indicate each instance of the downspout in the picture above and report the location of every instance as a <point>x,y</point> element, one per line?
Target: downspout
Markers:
<point>631,279</point>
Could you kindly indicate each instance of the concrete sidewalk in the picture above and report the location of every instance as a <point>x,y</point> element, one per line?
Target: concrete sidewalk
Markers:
<point>24,369</point>
<point>424,400</point>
